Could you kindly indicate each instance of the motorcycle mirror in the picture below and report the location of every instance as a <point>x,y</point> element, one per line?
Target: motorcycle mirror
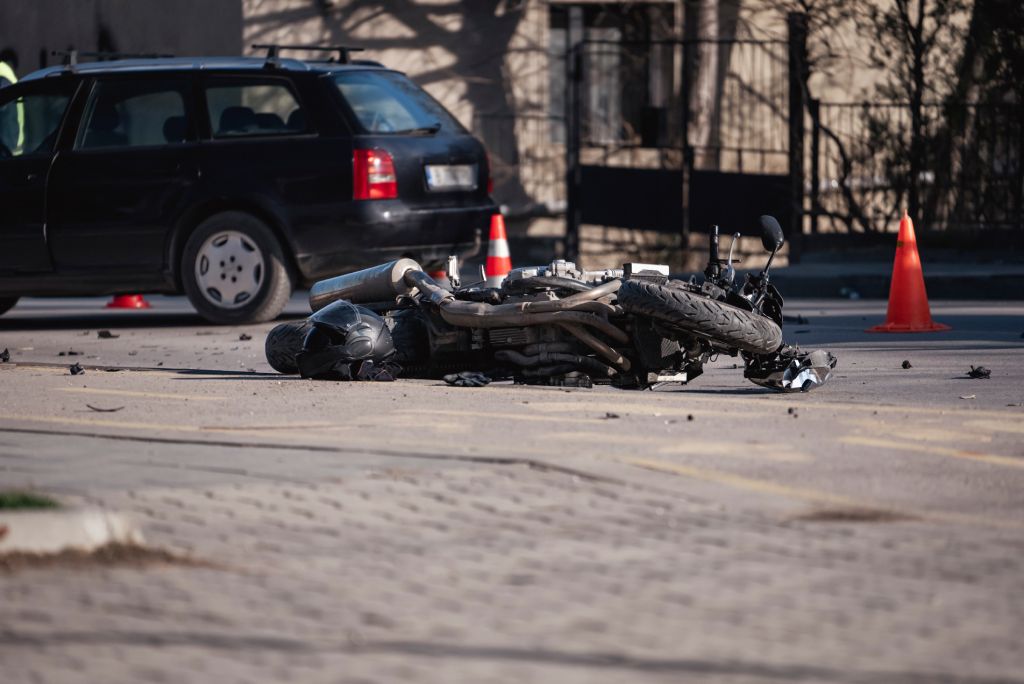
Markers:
<point>771,234</point>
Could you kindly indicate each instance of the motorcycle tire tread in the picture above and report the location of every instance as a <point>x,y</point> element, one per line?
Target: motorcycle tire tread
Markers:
<point>283,343</point>
<point>693,313</point>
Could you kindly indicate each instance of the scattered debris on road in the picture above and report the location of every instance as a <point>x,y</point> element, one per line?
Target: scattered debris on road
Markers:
<point>906,364</point>
<point>106,335</point>
<point>792,370</point>
<point>5,355</point>
<point>244,337</point>
<point>979,373</point>
<point>467,379</point>
<point>76,369</point>
<point>610,416</point>
<point>69,352</point>
<point>105,410</point>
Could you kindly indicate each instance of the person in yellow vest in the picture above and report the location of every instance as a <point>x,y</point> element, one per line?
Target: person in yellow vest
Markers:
<point>16,128</point>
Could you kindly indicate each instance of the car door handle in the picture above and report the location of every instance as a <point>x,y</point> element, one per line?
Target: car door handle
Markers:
<point>188,169</point>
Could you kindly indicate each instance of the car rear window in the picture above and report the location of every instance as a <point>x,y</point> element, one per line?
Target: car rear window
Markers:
<point>244,108</point>
<point>388,102</point>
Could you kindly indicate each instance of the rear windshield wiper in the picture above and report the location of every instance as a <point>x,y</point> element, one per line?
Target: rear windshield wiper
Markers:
<point>425,130</point>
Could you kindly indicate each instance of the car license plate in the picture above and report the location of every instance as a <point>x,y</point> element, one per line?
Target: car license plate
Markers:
<point>451,176</point>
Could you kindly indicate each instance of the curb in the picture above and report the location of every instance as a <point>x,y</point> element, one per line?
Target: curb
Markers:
<point>53,531</point>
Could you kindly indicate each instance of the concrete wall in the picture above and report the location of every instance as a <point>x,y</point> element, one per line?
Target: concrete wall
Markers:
<point>180,27</point>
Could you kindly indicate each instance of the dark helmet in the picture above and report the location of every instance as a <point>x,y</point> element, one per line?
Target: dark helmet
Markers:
<point>346,342</point>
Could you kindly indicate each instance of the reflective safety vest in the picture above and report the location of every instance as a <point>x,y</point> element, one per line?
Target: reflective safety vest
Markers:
<point>6,72</point>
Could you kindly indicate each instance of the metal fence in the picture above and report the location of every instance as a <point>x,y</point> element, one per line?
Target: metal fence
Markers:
<point>969,172</point>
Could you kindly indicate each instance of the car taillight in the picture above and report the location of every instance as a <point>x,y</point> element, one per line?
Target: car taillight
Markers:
<point>373,175</point>
<point>490,174</point>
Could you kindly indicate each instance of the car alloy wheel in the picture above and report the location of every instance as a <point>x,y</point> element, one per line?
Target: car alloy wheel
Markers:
<point>229,269</point>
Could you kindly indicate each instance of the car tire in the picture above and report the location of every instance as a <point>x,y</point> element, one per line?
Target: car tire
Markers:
<point>283,345</point>
<point>233,270</point>
<point>697,314</point>
<point>7,303</point>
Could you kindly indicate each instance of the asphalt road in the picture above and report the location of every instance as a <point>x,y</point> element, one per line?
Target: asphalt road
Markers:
<point>870,531</point>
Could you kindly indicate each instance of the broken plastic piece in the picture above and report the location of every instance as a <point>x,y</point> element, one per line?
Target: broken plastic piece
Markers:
<point>791,370</point>
<point>244,337</point>
<point>979,373</point>
<point>105,410</point>
<point>106,335</point>
<point>467,379</point>
<point>76,369</point>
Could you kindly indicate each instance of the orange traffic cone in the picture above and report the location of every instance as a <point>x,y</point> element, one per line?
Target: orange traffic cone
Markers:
<point>135,301</point>
<point>908,301</point>
<point>440,277</point>
<point>499,260</point>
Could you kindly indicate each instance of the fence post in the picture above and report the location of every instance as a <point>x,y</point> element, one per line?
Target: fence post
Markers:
<point>814,106</point>
<point>796,23</point>
<point>686,163</point>
<point>573,173</point>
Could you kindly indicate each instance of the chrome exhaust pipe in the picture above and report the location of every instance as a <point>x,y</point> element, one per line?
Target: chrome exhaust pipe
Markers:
<point>376,284</point>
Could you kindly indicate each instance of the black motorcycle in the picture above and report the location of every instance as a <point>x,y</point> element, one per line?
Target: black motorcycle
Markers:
<point>632,328</point>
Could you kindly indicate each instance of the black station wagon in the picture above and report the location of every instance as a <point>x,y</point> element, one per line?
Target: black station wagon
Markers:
<point>229,179</point>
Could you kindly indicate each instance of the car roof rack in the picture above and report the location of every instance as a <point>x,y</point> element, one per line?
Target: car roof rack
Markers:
<point>344,52</point>
<point>72,56</point>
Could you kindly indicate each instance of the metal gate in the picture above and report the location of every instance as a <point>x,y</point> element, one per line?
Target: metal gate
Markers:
<point>676,135</point>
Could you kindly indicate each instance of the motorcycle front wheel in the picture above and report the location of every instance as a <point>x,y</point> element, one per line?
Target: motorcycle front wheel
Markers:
<point>689,312</point>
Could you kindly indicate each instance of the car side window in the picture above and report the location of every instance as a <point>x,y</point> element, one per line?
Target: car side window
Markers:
<point>240,108</point>
<point>136,114</point>
<point>29,122</point>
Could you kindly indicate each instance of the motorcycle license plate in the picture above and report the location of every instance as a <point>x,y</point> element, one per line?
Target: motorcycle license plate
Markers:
<point>446,177</point>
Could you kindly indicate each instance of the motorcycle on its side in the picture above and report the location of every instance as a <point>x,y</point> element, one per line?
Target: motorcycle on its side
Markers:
<point>633,327</point>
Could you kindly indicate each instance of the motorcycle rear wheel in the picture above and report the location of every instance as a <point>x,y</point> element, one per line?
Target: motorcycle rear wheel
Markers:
<point>696,314</point>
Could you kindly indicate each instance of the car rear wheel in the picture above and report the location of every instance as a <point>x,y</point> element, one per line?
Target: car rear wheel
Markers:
<point>233,270</point>
<point>7,303</point>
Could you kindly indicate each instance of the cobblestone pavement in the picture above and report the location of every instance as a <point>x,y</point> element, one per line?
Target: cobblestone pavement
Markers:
<point>414,532</point>
<point>508,573</point>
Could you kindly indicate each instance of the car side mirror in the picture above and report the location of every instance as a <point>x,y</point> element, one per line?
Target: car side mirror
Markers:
<point>771,234</point>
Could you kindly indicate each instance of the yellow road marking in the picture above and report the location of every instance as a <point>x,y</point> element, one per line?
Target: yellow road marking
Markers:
<point>685,446</point>
<point>101,422</point>
<point>998,425</point>
<point>804,494</point>
<point>919,431</point>
<point>145,395</point>
<point>762,405</point>
<point>494,415</point>
<point>747,483</point>
<point>264,430</point>
<point>993,459</point>
<point>633,407</point>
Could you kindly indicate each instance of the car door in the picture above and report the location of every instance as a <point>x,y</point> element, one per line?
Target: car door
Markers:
<point>264,150</point>
<point>116,196</point>
<point>31,115</point>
